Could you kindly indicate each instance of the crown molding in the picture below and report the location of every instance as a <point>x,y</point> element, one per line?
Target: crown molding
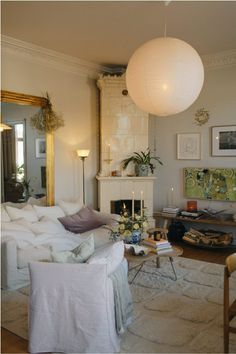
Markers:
<point>219,60</point>
<point>51,58</point>
<point>60,61</point>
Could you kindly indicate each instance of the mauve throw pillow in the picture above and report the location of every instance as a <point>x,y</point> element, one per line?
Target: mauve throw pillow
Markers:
<point>85,220</point>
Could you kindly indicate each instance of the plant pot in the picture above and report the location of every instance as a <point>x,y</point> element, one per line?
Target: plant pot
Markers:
<point>142,170</point>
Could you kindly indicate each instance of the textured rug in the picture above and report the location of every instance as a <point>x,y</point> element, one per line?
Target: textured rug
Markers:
<point>183,316</point>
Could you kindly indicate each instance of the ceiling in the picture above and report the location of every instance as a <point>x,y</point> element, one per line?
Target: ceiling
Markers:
<point>108,32</point>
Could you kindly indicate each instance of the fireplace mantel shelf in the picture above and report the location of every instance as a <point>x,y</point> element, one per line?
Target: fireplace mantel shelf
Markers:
<point>124,178</point>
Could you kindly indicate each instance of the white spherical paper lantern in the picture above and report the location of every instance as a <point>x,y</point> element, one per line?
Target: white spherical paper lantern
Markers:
<point>164,76</point>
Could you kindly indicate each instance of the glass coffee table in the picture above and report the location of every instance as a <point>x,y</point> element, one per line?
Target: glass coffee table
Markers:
<point>137,262</point>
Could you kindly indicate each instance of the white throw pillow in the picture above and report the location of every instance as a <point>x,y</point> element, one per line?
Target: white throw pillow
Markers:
<point>71,208</point>
<point>111,254</point>
<point>52,212</point>
<point>4,216</point>
<point>44,225</point>
<point>15,225</point>
<point>80,254</point>
<point>37,201</point>
<point>27,213</point>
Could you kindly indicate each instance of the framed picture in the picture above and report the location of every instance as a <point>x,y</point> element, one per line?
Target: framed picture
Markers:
<point>224,140</point>
<point>210,183</point>
<point>40,148</point>
<point>189,146</point>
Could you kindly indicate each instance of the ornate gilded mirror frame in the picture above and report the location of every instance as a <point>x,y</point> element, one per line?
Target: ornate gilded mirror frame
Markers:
<point>20,98</point>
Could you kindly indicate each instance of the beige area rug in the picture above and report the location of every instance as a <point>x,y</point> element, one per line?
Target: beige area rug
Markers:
<point>183,316</point>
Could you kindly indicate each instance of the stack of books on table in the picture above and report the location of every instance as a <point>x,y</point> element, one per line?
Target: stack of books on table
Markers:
<point>162,246</point>
<point>171,211</point>
<point>191,214</point>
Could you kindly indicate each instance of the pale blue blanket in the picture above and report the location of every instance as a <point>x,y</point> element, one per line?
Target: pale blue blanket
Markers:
<point>122,298</point>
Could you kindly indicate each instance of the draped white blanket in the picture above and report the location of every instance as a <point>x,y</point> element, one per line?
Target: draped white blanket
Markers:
<point>71,309</point>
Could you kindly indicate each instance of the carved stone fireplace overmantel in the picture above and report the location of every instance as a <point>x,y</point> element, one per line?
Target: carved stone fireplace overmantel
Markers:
<point>116,188</point>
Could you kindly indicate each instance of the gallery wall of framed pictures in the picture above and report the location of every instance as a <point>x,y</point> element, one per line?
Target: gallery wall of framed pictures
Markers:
<point>223,143</point>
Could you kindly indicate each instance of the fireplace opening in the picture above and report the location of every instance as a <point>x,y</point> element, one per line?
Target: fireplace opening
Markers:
<point>117,206</point>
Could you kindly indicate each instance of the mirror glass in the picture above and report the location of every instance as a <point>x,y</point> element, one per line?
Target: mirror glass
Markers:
<point>23,155</point>
<point>27,154</point>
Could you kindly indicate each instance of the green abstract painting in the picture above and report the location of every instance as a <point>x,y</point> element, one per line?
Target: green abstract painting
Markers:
<point>210,183</point>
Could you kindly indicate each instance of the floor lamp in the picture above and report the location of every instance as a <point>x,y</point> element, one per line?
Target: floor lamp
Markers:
<point>83,154</point>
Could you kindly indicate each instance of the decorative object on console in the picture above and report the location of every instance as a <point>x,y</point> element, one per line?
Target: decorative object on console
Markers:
<point>192,205</point>
<point>201,116</point>
<point>164,76</point>
<point>142,161</point>
<point>83,154</point>
<point>224,140</point>
<point>189,146</point>
<point>210,183</point>
<point>46,120</point>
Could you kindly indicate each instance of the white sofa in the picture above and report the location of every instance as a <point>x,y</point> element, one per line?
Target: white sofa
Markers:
<point>28,234</point>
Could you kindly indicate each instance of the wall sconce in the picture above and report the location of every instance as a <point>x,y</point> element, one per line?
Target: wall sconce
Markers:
<point>83,154</point>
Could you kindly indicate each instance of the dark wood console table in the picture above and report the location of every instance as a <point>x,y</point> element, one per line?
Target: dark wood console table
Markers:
<point>168,218</point>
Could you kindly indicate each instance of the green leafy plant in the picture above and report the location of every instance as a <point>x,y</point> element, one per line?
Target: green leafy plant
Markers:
<point>47,120</point>
<point>142,158</point>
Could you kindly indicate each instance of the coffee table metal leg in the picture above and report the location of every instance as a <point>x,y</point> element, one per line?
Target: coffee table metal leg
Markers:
<point>172,265</point>
<point>137,272</point>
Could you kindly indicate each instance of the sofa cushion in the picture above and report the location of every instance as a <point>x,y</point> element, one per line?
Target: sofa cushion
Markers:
<point>71,208</point>
<point>44,225</point>
<point>27,212</point>
<point>24,256</point>
<point>37,201</point>
<point>80,254</point>
<point>4,216</point>
<point>52,212</point>
<point>85,220</point>
<point>111,254</point>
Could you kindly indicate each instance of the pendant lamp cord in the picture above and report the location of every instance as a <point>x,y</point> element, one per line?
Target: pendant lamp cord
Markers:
<point>165,30</point>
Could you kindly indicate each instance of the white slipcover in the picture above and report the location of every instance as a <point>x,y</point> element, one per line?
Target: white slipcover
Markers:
<point>71,309</point>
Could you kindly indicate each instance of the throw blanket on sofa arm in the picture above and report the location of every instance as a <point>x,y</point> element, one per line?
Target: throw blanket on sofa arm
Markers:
<point>122,298</point>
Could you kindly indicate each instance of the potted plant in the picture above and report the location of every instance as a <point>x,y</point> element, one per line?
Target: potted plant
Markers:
<point>142,162</point>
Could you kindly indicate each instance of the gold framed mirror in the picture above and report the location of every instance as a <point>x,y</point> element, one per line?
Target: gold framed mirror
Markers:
<point>29,100</point>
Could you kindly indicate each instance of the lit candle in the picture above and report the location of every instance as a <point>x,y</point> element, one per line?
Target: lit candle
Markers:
<point>132,204</point>
<point>172,196</point>
<point>141,203</point>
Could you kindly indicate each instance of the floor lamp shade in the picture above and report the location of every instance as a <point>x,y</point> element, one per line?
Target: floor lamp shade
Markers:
<point>164,76</point>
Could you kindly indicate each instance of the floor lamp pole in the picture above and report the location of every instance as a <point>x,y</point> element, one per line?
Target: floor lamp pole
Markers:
<point>83,158</point>
<point>83,154</point>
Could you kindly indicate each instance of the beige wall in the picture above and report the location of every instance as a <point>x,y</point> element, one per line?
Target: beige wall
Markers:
<point>75,96</point>
<point>219,97</point>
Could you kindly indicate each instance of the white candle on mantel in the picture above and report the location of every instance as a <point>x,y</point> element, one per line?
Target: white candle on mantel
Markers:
<point>141,203</point>
<point>172,196</point>
<point>132,204</point>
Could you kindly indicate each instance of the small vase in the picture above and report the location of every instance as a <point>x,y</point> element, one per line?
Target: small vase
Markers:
<point>143,170</point>
<point>136,236</point>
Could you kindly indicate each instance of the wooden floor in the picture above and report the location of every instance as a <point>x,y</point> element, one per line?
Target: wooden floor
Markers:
<point>14,344</point>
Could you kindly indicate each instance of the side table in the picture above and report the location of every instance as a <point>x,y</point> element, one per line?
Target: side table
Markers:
<point>174,252</point>
<point>139,261</point>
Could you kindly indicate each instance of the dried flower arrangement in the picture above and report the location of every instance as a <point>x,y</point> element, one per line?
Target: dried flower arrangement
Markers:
<point>46,120</point>
<point>201,116</point>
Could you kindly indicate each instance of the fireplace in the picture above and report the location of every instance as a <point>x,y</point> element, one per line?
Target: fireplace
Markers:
<point>117,206</point>
<point>116,189</point>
